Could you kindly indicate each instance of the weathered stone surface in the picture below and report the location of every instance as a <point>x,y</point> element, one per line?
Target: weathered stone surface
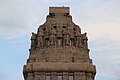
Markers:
<point>59,50</point>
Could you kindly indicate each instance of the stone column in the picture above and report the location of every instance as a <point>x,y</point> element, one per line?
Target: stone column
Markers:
<point>65,76</point>
<point>54,76</point>
<point>79,76</point>
<point>76,76</point>
<point>30,76</point>
<point>89,76</point>
<point>39,76</point>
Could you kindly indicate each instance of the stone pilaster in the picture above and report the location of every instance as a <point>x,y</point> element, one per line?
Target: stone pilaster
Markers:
<point>65,76</point>
<point>89,76</point>
<point>79,76</point>
<point>30,76</point>
<point>53,75</point>
<point>39,76</point>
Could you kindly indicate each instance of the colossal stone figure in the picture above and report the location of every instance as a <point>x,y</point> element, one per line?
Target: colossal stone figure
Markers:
<point>78,41</point>
<point>40,39</point>
<point>85,39</point>
<point>66,34</point>
<point>52,37</point>
<point>33,40</point>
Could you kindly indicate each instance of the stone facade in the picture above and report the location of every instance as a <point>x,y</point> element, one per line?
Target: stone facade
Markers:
<point>58,50</point>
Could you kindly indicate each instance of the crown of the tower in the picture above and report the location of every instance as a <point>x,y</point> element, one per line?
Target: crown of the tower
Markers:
<point>58,31</point>
<point>59,10</point>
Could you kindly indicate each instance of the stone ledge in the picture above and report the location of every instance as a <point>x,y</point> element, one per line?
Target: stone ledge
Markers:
<point>57,66</point>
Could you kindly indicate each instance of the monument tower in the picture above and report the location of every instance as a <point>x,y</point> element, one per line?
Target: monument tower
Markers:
<point>59,51</point>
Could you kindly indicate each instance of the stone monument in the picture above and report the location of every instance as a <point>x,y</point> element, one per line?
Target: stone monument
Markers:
<point>59,51</point>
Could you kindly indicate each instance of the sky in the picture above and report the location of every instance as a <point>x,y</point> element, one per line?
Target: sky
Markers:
<point>99,18</point>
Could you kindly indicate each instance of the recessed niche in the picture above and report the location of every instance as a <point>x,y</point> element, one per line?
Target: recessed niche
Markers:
<point>44,29</point>
<point>54,27</point>
<point>74,29</point>
<point>64,26</point>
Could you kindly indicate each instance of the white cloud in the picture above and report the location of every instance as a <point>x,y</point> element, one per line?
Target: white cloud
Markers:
<point>99,18</point>
<point>18,17</point>
<point>105,55</point>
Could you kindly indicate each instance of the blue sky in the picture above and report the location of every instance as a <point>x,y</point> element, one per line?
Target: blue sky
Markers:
<point>99,18</point>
